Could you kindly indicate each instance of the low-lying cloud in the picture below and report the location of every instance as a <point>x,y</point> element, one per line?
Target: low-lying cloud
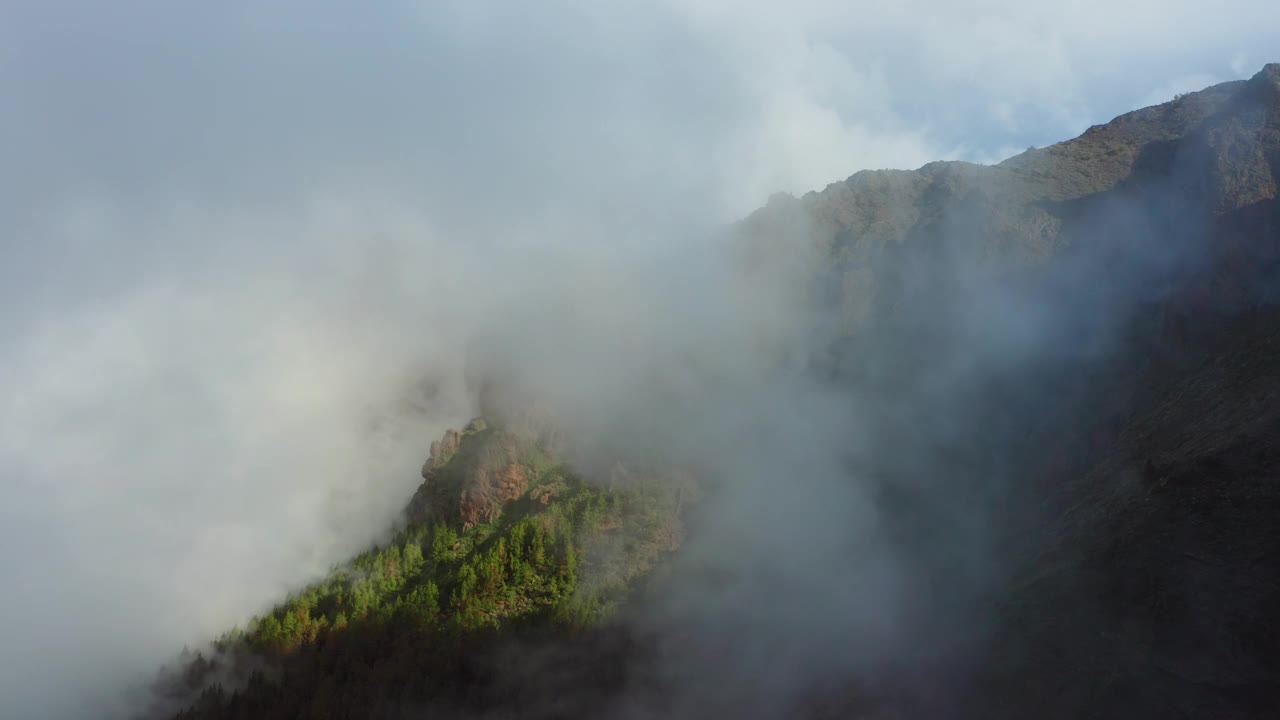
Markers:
<point>251,249</point>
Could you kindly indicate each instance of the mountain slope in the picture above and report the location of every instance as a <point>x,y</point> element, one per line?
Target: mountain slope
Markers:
<point>1157,594</point>
<point>500,538</point>
<point>1067,368</point>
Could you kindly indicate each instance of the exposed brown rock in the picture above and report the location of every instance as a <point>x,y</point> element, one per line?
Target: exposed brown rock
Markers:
<point>487,491</point>
<point>470,476</point>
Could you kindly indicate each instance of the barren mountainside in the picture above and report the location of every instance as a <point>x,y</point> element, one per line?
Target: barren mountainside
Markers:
<point>1073,363</point>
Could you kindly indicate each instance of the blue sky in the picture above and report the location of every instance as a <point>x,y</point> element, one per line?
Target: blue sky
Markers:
<point>221,220</point>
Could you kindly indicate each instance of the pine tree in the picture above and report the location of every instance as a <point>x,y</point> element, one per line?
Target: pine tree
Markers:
<point>412,559</point>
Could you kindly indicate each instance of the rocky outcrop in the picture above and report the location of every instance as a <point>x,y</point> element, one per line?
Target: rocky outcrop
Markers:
<point>488,489</point>
<point>472,475</point>
<point>441,451</point>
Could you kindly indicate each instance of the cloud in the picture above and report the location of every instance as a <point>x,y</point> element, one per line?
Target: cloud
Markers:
<point>1178,86</point>
<point>196,446</point>
<point>238,238</point>
<point>1240,65</point>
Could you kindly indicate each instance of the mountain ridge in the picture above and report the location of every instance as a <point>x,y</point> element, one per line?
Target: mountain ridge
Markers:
<point>1101,315</point>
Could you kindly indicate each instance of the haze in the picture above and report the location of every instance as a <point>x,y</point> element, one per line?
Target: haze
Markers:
<point>247,246</point>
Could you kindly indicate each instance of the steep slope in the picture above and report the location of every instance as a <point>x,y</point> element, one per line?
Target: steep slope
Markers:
<point>1066,365</point>
<point>1127,427</point>
<point>1028,339</point>
<point>1156,592</point>
<point>501,540</point>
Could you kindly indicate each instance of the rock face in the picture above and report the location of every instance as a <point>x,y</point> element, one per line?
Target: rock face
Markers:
<point>489,473</point>
<point>441,451</point>
<point>1158,593</point>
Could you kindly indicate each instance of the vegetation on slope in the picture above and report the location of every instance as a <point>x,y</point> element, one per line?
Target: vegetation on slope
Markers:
<point>502,536</point>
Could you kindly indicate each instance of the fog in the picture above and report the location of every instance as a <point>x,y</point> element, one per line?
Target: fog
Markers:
<point>251,249</point>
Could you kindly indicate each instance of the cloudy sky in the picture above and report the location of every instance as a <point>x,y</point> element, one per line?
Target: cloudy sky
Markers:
<point>236,235</point>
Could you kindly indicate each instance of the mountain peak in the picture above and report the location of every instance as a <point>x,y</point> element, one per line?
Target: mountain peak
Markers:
<point>1267,82</point>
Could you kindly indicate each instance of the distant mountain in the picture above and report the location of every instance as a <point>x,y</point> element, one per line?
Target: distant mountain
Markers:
<point>1203,162</point>
<point>1086,337</point>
